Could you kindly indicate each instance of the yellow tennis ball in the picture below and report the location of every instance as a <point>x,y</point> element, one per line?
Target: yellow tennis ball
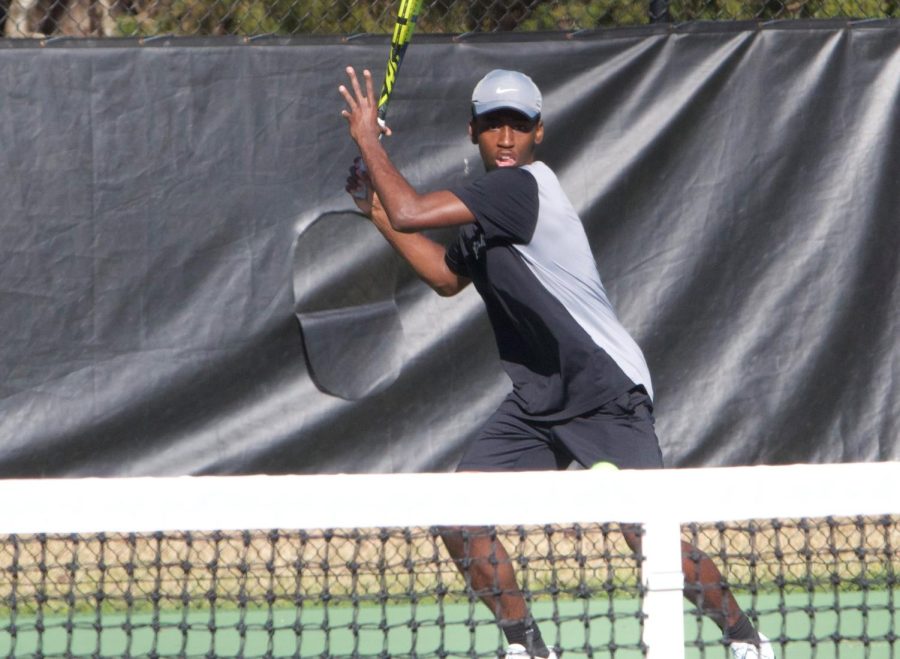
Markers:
<point>604,466</point>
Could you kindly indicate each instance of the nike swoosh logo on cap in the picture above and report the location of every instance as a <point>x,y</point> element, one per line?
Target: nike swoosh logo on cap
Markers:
<point>501,90</point>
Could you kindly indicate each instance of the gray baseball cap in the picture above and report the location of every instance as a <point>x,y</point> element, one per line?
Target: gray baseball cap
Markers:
<point>506,89</point>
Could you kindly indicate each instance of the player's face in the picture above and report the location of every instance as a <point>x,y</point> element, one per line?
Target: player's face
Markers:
<point>506,138</point>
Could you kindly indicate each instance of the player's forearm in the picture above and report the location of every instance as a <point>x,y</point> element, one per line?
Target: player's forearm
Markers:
<point>397,195</point>
<point>426,258</point>
<point>407,209</point>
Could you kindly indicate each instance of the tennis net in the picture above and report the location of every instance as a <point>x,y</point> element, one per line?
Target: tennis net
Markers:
<point>356,566</point>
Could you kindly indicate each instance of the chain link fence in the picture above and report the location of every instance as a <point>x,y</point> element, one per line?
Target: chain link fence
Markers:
<point>147,18</point>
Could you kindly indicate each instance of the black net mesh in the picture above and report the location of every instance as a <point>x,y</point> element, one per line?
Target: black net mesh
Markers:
<point>815,587</point>
<point>335,593</point>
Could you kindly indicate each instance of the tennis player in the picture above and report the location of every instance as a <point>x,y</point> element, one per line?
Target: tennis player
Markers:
<point>581,387</point>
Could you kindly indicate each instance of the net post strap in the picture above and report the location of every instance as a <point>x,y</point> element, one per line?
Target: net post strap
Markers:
<point>663,582</point>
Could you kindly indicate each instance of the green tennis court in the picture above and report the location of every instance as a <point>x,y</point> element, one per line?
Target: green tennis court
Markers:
<point>849,616</point>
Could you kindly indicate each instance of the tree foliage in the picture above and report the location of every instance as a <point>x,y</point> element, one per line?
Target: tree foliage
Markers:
<point>290,17</point>
<point>251,17</point>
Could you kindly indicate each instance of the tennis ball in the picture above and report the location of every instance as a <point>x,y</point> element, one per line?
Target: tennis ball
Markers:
<point>604,466</point>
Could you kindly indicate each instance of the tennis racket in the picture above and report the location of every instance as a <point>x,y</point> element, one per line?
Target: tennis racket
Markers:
<point>407,16</point>
<point>405,25</point>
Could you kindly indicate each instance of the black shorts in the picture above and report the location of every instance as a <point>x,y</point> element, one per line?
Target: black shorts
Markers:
<point>620,432</point>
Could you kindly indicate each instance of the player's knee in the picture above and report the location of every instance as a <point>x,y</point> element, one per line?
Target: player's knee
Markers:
<point>632,533</point>
<point>459,540</point>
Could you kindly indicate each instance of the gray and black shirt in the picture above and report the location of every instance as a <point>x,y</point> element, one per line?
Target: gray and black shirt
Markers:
<point>557,334</point>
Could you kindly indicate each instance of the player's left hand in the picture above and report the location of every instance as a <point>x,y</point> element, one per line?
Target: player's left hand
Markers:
<point>361,112</point>
<point>359,185</point>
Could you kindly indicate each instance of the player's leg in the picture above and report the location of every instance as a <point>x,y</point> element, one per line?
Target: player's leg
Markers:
<point>703,587</point>
<point>506,443</point>
<point>622,433</point>
<point>489,572</point>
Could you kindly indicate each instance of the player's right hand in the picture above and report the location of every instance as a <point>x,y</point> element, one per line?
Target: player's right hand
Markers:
<point>361,112</point>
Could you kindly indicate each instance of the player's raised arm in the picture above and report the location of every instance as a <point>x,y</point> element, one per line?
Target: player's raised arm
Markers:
<point>425,256</point>
<point>406,209</point>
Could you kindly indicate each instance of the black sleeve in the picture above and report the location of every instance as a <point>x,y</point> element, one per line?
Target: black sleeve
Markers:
<point>504,202</point>
<point>453,257</point>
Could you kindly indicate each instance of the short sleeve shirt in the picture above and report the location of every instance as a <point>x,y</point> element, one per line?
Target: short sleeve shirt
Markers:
<point>558,336</point>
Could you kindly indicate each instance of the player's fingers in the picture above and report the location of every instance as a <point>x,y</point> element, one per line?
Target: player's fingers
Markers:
<point>351,102</point>
<point>364,207</point>
<point>352,94</point>
<point>351,74</point>
<point>370,87</point>
<point>359,169</point>
<point>358,178</point>
<point>354,82</point>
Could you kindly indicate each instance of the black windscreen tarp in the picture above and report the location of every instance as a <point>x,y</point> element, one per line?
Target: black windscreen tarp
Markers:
<point>182,292</point>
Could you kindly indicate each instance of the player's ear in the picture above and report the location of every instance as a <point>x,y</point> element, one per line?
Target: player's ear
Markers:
<point>539,132</point>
